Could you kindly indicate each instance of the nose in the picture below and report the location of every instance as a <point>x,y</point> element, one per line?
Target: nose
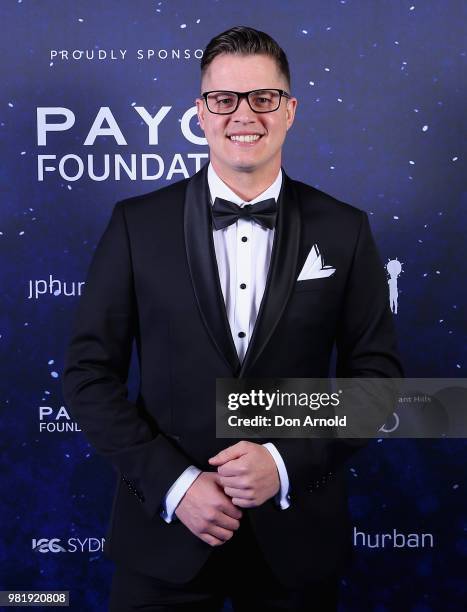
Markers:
<point>244,113</point>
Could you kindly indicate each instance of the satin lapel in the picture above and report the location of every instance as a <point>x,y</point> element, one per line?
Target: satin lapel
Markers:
<point>281,274</point>
<point>202,263</point>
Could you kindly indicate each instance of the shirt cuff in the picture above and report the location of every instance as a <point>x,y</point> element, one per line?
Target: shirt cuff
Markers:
<point>177,491</point>
<point>282,498</point>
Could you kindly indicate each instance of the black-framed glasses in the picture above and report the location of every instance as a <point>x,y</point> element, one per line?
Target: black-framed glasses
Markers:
<point>259,100</point>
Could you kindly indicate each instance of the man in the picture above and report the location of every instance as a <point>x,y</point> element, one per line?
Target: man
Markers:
<point>211,288</point>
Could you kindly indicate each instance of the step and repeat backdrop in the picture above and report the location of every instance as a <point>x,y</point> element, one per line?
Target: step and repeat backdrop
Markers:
<point>96,105</point>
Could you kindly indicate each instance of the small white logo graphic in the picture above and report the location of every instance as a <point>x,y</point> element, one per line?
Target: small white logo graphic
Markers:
<point>386,429</point>
<point>43,545</point>
<point>394,268</point>
<point>314,266</point>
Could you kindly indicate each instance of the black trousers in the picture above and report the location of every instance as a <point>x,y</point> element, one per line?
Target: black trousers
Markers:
<point>235,571</point>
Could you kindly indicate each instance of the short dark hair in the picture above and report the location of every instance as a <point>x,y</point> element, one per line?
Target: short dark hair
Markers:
<point>242,40</point>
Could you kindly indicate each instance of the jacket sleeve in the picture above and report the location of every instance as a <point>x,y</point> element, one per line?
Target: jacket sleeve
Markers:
<point>96,372</point>
<point>366,348</point>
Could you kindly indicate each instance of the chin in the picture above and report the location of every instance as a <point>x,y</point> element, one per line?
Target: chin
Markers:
<point>246,161</point>
<point>245,167</point>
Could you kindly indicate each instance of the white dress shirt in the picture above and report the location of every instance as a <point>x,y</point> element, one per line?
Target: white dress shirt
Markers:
<point>243,267</point>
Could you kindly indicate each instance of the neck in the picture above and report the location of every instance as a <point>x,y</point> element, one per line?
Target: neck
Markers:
<point>247,185</point>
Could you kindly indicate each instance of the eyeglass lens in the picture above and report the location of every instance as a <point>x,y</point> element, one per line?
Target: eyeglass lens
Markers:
<point>262,100</point>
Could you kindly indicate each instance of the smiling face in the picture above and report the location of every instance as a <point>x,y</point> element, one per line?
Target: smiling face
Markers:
<point>231,157</point>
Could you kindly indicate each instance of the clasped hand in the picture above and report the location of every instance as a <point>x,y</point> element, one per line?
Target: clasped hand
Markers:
<point>248,473</point>
<point>246,477</point>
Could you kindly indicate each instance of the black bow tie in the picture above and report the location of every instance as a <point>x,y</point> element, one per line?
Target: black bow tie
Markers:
<point>224,213</point>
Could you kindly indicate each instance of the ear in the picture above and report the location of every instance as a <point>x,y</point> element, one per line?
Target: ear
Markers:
<point>200,108</point>
<point>290,111</point>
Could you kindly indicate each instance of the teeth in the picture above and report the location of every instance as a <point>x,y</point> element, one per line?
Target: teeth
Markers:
<point>247,138</point>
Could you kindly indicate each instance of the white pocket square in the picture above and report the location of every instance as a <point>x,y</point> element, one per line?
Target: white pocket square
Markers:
<point>313,267</point>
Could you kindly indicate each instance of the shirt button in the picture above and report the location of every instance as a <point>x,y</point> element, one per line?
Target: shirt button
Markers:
<point>244,238</point>
<point>241,334</point>
<point>243,286</point>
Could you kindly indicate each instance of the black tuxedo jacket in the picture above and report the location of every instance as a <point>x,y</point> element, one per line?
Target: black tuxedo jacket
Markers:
<point>154,278</point>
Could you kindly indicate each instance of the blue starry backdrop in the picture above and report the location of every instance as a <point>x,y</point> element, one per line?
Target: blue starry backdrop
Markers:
<point>380,124</point>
